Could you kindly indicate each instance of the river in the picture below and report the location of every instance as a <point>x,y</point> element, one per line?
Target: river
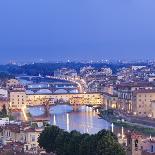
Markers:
<point>86,120</point>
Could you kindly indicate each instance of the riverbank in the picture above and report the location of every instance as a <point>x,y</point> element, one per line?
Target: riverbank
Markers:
<point>118,120</point>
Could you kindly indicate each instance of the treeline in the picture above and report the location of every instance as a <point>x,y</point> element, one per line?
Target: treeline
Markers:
<point>60,142</point>
<point>49,68</point>
<point>5,76</point>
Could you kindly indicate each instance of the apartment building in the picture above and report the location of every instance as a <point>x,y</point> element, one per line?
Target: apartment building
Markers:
<point>17,98</point>
<point>12,83</point>
<point>126,90</point>
<point>142,102</point>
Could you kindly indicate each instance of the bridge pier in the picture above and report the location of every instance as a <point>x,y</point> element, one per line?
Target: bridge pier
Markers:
<point>76,107</point>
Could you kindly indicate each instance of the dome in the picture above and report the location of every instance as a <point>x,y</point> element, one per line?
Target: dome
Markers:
<point>60,91</point>
<point>44,91</point>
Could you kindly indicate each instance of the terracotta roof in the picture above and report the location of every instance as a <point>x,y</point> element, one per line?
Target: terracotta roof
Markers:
<point>145,91</point>
<point>135,84</point>
<point>111,95</point>
<point>11,145</point>
<point>29,130</point>
<point>12,127</point>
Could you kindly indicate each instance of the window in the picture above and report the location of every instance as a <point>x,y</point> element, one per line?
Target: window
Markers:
<point>151,148</point>
<point>33,138</point>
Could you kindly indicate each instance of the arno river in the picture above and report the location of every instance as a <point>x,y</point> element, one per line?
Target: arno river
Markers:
<point>85,120</point>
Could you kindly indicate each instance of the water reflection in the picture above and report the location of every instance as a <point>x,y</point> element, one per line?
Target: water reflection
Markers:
<point>85,120</point>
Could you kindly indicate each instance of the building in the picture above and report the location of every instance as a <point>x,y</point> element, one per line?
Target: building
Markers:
<point>126,90</point>
<point>142,103</point>
<point>12,83</point>
<point>17,98</point>
<point>65,72</point>
<point>23,134</point>
<point>140,145</point>
<point>111,101</point>
<point>106,71</point>
<point>3,93</point>
<point>137,67</point>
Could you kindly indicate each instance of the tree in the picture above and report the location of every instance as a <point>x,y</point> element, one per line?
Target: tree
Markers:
<point>87,146</point>
<point>108,145</point>
<point>74,143</point>
<point>61,142</point>
<point>47,138</point>
<point>4,111</point>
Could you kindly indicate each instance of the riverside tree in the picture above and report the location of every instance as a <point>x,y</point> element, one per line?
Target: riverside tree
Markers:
<point>56,140</point>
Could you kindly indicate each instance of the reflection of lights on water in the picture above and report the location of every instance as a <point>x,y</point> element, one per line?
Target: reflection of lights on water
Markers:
<point>87,130</point>
<point>67,121</point>
<point>24,113</point>
<point>86,122</point>
<point>122,132</point>
<point>87,108</point>
<point>94,113</point>
<point>54,120</point>
<point>90,109</point>
<point>112,127</point>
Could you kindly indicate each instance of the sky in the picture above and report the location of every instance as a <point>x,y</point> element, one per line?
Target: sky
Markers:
<point>76,29</point>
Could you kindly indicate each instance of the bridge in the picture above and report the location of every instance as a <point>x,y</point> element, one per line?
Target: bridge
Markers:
<point>74,100</point>
<point>53,89</point>
<point>81,84</point>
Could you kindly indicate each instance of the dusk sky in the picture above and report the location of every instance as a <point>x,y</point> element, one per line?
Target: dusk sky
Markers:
<point>76,29</point>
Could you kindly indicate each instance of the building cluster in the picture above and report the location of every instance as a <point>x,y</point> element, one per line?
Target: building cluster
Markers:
<point>136,90</point>
<point>137,144</point>
<point>97,80</point>
<point>131,89</point>
<point>65,72</point>
<point>18,137</point>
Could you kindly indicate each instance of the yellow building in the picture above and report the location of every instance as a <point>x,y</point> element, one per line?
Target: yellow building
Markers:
<point>17,98</point>
<point>142,102</point>
<point>111,101</point>
<point>12,83</point>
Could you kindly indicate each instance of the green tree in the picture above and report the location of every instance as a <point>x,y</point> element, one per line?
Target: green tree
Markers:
<point>107,145</point>
<point>87,146</point>
<point>62,142</point>
<point>4,111</point>
<point>74,143</point>
<point>58,141</point>
<point>47,138</point>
